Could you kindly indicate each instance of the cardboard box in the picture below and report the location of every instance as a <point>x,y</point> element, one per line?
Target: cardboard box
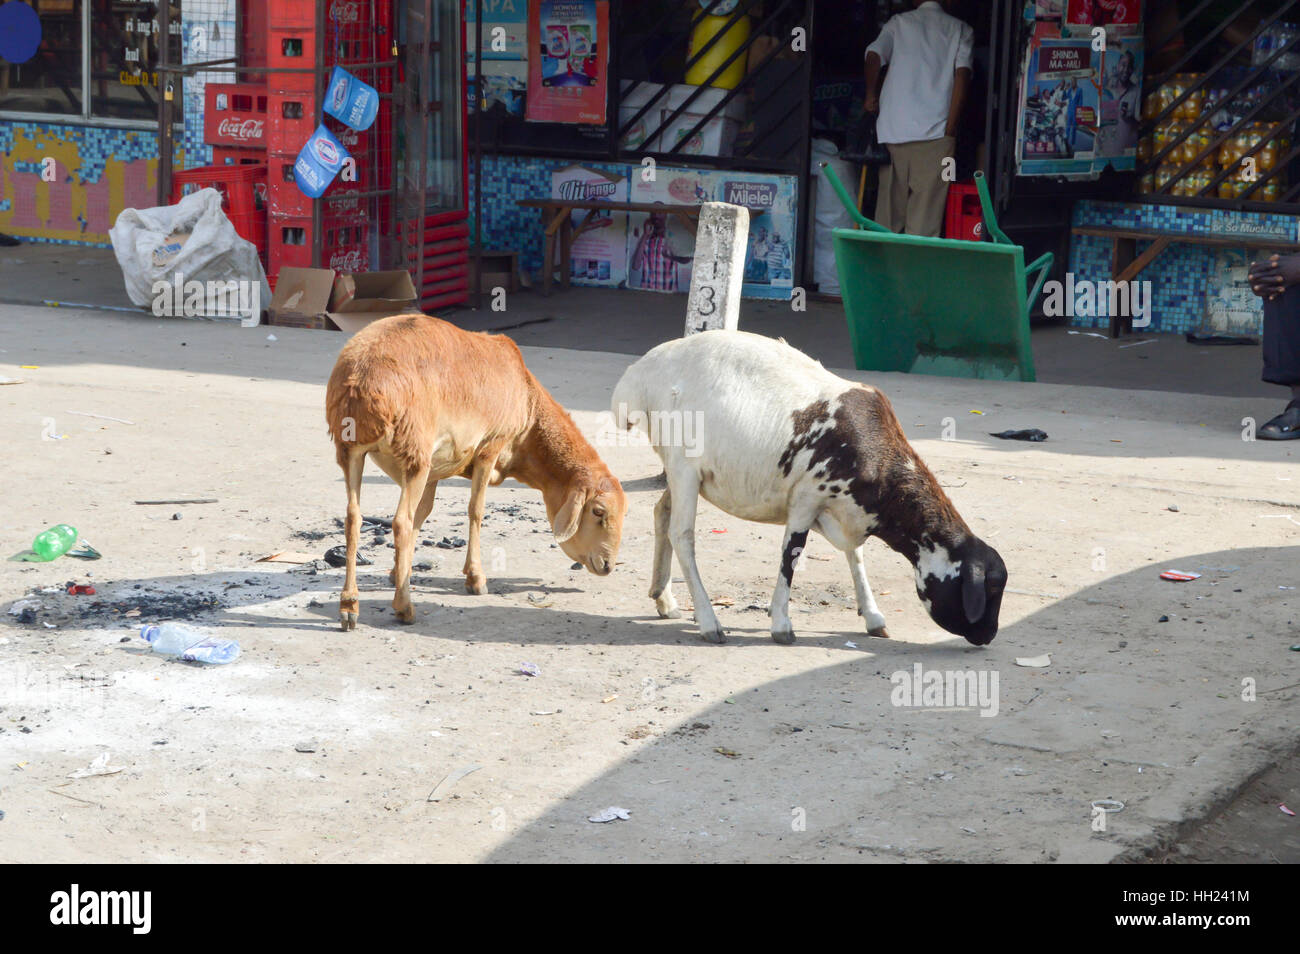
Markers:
<point>322,298</point>
<point>368,296</point>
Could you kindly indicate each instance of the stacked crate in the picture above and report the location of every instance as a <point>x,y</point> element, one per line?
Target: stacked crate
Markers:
<point>293,112</point>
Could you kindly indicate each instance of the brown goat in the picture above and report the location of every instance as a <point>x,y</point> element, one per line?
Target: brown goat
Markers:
<point>426,401</point>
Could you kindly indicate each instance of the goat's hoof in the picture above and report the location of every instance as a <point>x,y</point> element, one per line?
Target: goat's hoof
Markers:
<point>668,609</point>
<point>713,635</point>
<point>878,631</point>
<point>406,616</point>
<point>783,636</point>
<point>476,587</point>
<point>347,621</point>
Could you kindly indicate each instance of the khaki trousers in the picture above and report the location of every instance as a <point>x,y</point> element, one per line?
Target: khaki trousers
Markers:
<point>913,190</point>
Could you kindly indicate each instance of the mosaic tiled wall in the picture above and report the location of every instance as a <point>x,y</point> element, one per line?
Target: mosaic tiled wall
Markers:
<point>1194,287</point>
<point>97,173</point>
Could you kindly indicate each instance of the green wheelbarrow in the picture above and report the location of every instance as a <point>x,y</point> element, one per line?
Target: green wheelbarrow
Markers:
<point>936,306</point>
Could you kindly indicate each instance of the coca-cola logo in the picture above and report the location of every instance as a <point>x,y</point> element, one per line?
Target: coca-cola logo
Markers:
<point>342,11</point>
<point>348,137</point>
<point>349,261</point>
<point>243,130</point>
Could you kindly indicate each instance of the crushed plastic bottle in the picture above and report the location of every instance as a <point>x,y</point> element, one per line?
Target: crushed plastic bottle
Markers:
<point>53,543</point>
<point>174,639</point>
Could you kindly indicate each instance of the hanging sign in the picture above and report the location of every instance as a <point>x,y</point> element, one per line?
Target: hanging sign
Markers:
<point>568,72</point>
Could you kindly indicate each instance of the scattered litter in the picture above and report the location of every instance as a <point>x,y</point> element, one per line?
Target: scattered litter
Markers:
<point>1135,344</point>
<point>1172,508</point>
<point>307,747</point>
<point>729,753</point>
<point>5,380</point>
<point>156,503</point>
<point>539,600</point>
<point>609,814</point>
<point>610,698</point>
<point>48,625</point>
<point>102,417</point>
<point>81,589</point>
<point>30,367</point>
<point>715,530</point>
<point>99,766</point>
<point>528,669</point>
<point>1286,587</point>
<point>1088,334</point>
<point>1178,576</point>
<point>1203,339</point>
<point>724,601</point>
<point>287,556</point>
<point>272,338</point>
<point>973,411</point>
<point>576,566</point>
<point>542,712</point>
<point>969,831</point>
<point>84,551</point>
<point>1285,811</point>
<point>1108,805</point>
<point>1163,619</point>
<point>850,645</point>
<point>338,556</point>
<point>440,790</point>
<point>24,607</point>
<point>1027,434</point>
<point>1034,662</point>
<point>1296,648</point>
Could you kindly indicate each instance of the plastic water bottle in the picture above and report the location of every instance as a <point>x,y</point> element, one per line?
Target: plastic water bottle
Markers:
<point>53,543</point>
<point>174,639</point>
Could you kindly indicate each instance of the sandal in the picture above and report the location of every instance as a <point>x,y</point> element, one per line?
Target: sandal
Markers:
<point>1284,427</point>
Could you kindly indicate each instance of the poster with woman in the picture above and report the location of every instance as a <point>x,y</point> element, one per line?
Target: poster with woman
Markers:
<point>569,70</point>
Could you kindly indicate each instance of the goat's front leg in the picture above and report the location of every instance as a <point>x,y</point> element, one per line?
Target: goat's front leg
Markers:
<point>475,581</point>
<point>661,579</point>
<point>797,526</point>
<point>867,607</point>
<point>684,489</point>
<point>404,542</point>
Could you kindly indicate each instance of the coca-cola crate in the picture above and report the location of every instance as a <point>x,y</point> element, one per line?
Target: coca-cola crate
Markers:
<point>291,118</point>
<point>235,156</point>
<point>293,14</point>
<point>350,16</point>
<point>234,114</point>
<point>290,48</point>
<point>340,205</point>
<point>344,247</point>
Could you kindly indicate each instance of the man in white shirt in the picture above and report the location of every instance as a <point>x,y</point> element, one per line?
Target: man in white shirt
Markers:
<point>928,53</point>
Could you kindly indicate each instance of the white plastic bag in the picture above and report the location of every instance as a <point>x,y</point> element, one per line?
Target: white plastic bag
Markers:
<point>191,277</point>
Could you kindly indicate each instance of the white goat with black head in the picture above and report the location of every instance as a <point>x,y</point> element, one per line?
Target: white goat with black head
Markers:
<point>782,440</point>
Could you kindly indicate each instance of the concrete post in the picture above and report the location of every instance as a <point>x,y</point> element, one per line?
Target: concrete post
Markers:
<point>719,268</point>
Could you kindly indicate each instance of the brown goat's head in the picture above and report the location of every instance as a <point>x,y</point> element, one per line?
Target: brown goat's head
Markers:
<point>589,524</point>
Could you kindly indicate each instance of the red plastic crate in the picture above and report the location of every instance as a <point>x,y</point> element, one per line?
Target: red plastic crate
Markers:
<point>243,190</point>
<point>293,14</point>
<point>344,247</point>
<point>963,217</point>
<point>290,48</point>
<point>291,118</point>
<point>234,114</point>
<point>235,156</point>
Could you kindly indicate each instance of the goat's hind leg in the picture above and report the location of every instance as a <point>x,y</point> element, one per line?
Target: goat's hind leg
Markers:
<point>349,606</point>
<point>661,585</point>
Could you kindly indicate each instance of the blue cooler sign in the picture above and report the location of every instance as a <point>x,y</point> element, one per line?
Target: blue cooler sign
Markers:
<point>319,162</point>
<point>351,101</point>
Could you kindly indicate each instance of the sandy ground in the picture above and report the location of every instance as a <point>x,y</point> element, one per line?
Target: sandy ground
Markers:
<point>745,752</point>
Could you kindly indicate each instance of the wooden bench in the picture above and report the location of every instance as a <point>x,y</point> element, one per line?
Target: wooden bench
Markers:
<point>557,220</point>
<point>1126,263</point>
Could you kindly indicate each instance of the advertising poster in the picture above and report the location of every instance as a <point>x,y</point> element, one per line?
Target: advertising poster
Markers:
<point>1080,107</point>
<point>660,247</point>
<point>505,55</point>
<point>1119,17</point>
<point>568,71</point>
<point>599,256</point>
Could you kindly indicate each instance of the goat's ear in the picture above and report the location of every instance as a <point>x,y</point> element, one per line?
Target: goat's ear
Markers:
<point>972,590</point>
<point>570,516</point>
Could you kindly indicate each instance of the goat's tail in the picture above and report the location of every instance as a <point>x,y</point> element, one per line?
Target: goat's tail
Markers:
<point>629,401</point>
<point>354,414</point>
